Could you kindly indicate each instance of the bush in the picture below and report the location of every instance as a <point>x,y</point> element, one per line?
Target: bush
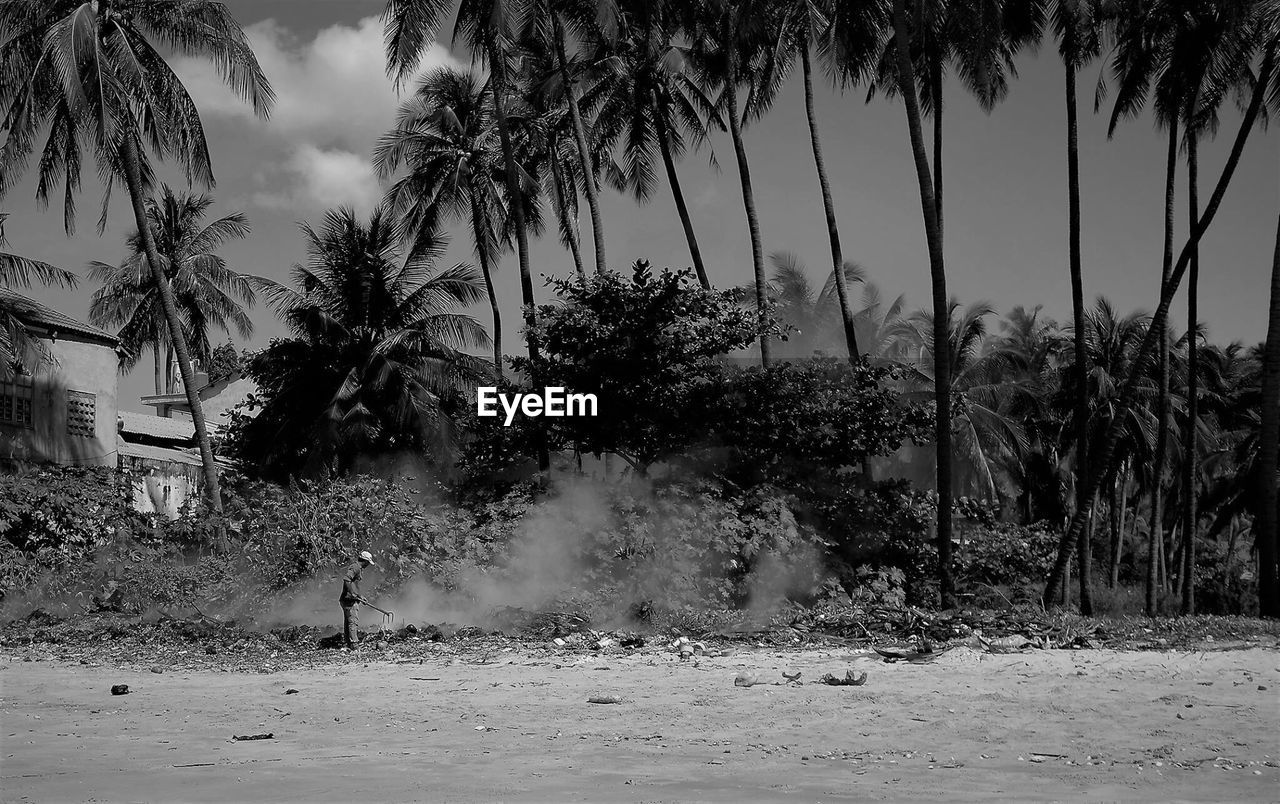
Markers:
<point>1004,554</point>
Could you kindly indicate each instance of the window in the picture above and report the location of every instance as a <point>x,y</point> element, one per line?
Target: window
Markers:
<point>15,403</point>
<point>82,414</point>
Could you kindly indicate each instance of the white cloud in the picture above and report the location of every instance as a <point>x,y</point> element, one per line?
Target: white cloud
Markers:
<point>333,100</point>
<point>326,178</point>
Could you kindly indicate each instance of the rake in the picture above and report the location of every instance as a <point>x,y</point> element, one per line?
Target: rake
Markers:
<point>388,617</point>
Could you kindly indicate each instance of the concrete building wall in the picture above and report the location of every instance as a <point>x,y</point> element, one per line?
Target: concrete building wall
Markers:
<point>73,406</point>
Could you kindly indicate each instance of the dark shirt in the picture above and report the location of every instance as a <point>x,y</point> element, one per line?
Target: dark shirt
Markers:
<point>351,584</point>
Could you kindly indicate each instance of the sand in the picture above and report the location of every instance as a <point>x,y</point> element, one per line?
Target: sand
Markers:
<point>1097,725</point>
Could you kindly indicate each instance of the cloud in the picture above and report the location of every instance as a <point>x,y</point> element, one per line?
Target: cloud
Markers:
<point>333,100</point>
<point>328,178</point>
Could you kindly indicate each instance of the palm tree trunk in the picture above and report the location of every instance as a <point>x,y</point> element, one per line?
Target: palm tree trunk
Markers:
<point>828,206</point>
<point>1162,393</point>
<point>1117,533</point>
<point>1077,308</point>
<point>1085,562</point>
<point>584,153</point>
<point>480,231</point>
<point>1128,391</point>
<point>177,338</point>
<point>1266,528</point>
<point>516,193</point>
<point>748,201</point>
<point>1190,459</point>
<point>568,227</point>
<point>664,144</point>
<point>941,358</point>
<point>935,86</point>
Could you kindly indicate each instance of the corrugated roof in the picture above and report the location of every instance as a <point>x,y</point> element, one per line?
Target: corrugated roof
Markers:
<point>34,314</point>
<point>156,426</point>
<point>147,452</point>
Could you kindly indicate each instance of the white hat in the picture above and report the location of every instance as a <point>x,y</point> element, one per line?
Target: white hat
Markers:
<point>367,556</point>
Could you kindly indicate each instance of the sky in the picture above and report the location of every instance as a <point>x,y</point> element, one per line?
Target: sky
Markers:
<point>1005,189</point>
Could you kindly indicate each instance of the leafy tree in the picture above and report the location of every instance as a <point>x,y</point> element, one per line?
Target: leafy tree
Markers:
<point>207,292</point>
<point>373,365</point>
<point>224,361</point>
<point>646,346</point>
<point>94,73</point>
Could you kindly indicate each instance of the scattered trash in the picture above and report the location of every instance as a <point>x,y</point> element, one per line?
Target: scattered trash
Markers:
<point>120,689</point>
<point>157,670</point>
<point>604,642</point>
<point>291,691</point>
<point>746,680</point>
<point>246,737</point>
<point>604,699</point>
<point>1008,644</point>
<point>850,679</point>
<point>792,678</point>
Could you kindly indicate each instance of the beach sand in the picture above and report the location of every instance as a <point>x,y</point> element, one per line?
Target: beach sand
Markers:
<point>1087,724</point>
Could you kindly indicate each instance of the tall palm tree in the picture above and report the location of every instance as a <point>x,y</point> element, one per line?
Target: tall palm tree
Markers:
<point>1157,44</point>
<point>802,25</point>
<point>729,38</point>
<point>1266,527</point>
<point>549,25</point>
<point>491,30</point>
<point>445,138</point>
<point>375,351</point>
<point>205,290</point>
<point>938,282</point>
<point>649,101</point>
<point>94,73</point>
<point>18,271</point>
<point>1265,85</point>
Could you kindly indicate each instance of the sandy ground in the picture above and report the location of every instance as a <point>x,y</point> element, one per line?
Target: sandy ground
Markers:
<point>1044,725</point>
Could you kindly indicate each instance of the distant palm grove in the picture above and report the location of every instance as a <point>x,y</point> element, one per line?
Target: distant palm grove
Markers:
<point>1137,453</point>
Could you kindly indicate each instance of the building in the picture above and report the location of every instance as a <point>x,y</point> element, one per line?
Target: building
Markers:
<point>164,459</point>
<point>60,406</point>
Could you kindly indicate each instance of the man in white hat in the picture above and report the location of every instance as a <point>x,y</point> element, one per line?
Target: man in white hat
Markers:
<point>350,599</point>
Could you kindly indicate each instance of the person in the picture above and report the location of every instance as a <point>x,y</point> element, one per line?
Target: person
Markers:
<point>350,599</point>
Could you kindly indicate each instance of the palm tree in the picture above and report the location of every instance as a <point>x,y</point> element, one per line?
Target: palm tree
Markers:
<point>803,24</point>
<point>445,137</point>
<point>1265,85</point>
<point>90,72</point>
<point>1266,527</point>
<point>375,349</point>
<point>490,30</point>
<point>649,101</point>
<point>729,37</point>
<point>814,315</point>
<point>988,434</point>
<point>19,271</point>
<point>938,277</point>
<point>547,31</point>
<point>206,292</point>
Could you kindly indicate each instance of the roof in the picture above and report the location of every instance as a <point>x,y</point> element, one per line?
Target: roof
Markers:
<point>143,424</point>
<point>146,452</point>
<point>34,314</point>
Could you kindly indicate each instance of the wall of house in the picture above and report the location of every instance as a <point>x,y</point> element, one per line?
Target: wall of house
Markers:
<point>79,378</point>
<point>162,487</point>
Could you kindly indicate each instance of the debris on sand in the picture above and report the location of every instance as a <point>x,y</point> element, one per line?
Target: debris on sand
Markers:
<point>792,678</point>
<point>604,699</point>
<point>240,738</point>
<point>746,680</point>
<point>291,691</point>
<point>850,679</point>
<point>120,689</point>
